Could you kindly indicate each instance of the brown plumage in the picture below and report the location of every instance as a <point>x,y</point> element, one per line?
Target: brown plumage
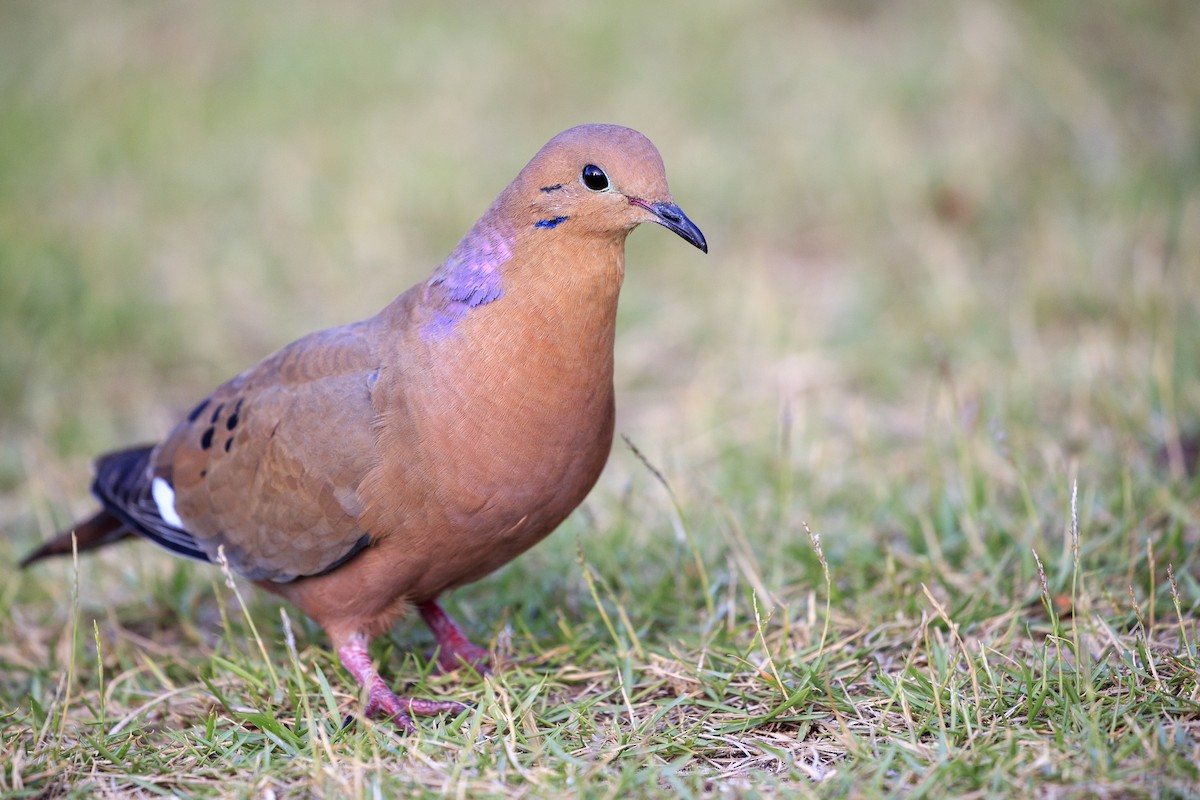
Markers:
<point>369,468</point>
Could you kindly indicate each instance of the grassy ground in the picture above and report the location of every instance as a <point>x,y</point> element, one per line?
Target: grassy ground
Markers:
<point>928,513</point>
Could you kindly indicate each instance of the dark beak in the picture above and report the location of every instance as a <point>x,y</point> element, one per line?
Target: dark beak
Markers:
<point>671,217</point>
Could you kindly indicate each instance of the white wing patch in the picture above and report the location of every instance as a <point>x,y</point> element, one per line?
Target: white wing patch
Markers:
<point>164,498</point>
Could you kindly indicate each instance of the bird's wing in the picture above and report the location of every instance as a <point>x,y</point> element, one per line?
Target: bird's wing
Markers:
<point>123,486</point>
<point>269,464</point>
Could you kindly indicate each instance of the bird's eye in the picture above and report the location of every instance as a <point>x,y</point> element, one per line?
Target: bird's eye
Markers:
<point>594,178</point>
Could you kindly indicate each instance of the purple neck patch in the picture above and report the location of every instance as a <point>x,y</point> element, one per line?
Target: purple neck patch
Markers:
<point>470,278</point>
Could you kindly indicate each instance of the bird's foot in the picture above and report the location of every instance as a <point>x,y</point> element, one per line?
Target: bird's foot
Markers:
<point>382,702</point>
<point>454,648</point>
<point>468,655</point>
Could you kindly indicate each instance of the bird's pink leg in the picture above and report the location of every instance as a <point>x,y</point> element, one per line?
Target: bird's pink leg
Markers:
<point>454,648</point>
<point>381,700</point>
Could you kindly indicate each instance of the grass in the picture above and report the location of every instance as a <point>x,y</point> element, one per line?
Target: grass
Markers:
<point>909,504</point>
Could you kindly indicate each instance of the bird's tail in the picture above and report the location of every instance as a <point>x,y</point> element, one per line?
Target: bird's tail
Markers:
<point>97,531</point>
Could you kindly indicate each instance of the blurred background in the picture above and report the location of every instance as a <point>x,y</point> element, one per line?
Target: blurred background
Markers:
<point>929,223</point>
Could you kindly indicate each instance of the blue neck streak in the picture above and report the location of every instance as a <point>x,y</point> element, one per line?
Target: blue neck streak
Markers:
<point>468,279</point>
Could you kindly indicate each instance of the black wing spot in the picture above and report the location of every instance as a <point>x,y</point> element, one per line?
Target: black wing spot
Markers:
<point>235,417</point>
<point>198,410</point>
<point>228,444</point>
<point>206,439</point>
<point>216,415</point>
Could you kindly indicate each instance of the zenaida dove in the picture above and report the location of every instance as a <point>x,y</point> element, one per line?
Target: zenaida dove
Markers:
<point>369,468</point>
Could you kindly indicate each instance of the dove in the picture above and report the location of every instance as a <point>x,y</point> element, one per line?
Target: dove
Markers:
<point>363,471</point>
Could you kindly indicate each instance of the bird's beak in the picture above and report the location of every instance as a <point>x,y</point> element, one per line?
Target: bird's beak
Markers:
<point>671,217</point>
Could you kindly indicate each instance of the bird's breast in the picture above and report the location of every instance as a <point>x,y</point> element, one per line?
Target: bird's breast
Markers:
<point>485,450</point>
<point>520,452</point>
<point>523,406</point>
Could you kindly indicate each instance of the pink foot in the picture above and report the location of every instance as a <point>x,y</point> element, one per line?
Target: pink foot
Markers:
<point>382,702</point>
<point>454,648</point>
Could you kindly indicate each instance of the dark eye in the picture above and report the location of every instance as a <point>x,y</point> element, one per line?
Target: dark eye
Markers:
<point>594,178</point>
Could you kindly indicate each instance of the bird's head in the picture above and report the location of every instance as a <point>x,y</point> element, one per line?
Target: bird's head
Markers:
<point>599,180</point>
<point>580,196</point>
